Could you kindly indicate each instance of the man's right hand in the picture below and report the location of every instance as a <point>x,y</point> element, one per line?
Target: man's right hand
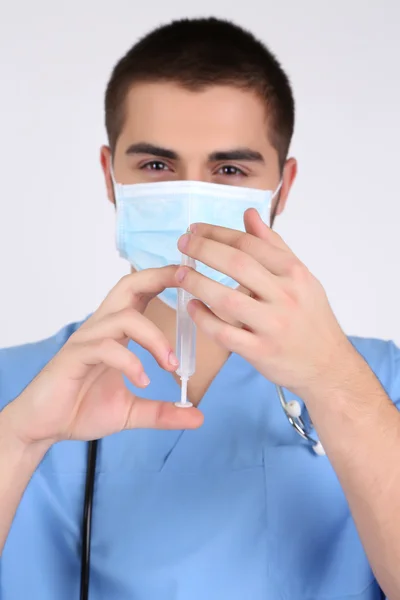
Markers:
<point>81,393</point>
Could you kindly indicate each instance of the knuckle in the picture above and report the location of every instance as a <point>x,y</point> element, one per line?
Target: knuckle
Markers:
<point>275,236</point>
<point>282,323</point>
<point>267,348</point>
<point>127,312</point>
<point>129,420</point>
<point>297,271</point>
<point>148,277</point>
<point>259,347</point>
<point>188,279</point>
<point>224,335</point>
<point>105,346</point>
<point>125,281</point>
<point>243,243</point>
<point>159,415</point>
<point>231,302</point>
<point>127,315</point>
<point>129,287</point>
<point>289,300</point>
<point>133,363</point>
<point>120,288</point>
<point>239,262</point>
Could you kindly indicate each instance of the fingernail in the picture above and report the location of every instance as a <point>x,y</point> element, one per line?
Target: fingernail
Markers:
<point>172,359</point>
<point>193,228</point>
<point>144,380</point>
<point>183,241</point>
<point>181,273</point>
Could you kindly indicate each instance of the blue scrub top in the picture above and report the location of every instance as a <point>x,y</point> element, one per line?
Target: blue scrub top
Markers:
<point>239,509</point>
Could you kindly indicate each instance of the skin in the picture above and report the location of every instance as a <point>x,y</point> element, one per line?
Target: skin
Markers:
<point>194,126</point>
<point>279,320</point>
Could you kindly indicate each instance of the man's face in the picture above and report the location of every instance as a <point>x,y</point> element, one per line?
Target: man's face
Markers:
<point>218,135</point>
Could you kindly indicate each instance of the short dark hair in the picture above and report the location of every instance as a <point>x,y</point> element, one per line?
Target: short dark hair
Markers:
<point>198,53</point>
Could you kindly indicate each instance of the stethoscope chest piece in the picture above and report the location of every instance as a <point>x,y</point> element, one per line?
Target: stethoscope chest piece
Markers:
<point>293,412</point>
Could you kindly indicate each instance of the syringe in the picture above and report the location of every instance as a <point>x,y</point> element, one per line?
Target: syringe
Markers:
<point>185,339</point>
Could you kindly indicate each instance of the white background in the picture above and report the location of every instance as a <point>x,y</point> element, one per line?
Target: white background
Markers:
<point>57,257</point>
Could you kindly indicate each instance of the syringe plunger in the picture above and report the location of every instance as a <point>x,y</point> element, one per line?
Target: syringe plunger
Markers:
<point>185,338</point>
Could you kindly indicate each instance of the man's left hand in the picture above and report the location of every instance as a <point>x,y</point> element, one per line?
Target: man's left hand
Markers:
<point>285,328</point>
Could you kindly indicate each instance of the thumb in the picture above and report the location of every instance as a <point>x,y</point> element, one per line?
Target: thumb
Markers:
<point>156,414</point>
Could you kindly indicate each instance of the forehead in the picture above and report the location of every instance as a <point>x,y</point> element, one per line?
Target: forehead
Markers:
<point>217,116</point>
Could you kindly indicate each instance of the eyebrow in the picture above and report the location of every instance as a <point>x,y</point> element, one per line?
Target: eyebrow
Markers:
<point>144,148</point>
<point>245,154</point>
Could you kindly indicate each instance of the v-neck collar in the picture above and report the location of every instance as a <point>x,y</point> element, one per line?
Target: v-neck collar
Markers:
<point>241,414</point>
<point>163,385</point>
<point>154,450</point>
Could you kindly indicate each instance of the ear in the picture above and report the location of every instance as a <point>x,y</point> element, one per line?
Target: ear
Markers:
<point>288,177</point>
<point>105,161</point>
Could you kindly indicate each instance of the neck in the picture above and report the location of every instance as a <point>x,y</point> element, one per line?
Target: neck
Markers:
<point>164,317</point>
<point>209,356</point>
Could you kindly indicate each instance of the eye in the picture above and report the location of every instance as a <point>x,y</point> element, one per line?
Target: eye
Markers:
<point>231,171</point>
<point>155,165</point>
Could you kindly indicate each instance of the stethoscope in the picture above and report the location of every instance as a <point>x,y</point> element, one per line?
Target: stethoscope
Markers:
<point>292,409</point>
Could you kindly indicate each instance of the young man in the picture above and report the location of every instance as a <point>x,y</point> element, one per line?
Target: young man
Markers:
<point>237,506</point>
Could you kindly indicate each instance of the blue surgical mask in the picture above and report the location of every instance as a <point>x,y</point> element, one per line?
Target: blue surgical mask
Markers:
<point>152,216</point>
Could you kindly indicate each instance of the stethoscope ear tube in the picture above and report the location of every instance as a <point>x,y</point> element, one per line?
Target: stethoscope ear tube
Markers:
<point>87,518</point>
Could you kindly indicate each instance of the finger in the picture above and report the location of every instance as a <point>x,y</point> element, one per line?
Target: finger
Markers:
<point>272,258</point>
<point>77,360</point>
<point>156,414</point>
<point>230,337</point>
<point>250,216</point>
<point>130,324</point>
<point>239,265</point>
<point>136,290</point>
<point>256,226</point>
<point>230,304</point>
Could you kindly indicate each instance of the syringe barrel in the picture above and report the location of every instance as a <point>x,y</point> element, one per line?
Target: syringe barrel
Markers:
<point>185,335</point>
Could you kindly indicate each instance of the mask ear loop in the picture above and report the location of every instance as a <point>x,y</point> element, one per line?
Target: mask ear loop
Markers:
<point>112,173</point>
<point>114,182</point>
<point>112,169</point>
<point>278,189</point>
<point>273,212</point>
